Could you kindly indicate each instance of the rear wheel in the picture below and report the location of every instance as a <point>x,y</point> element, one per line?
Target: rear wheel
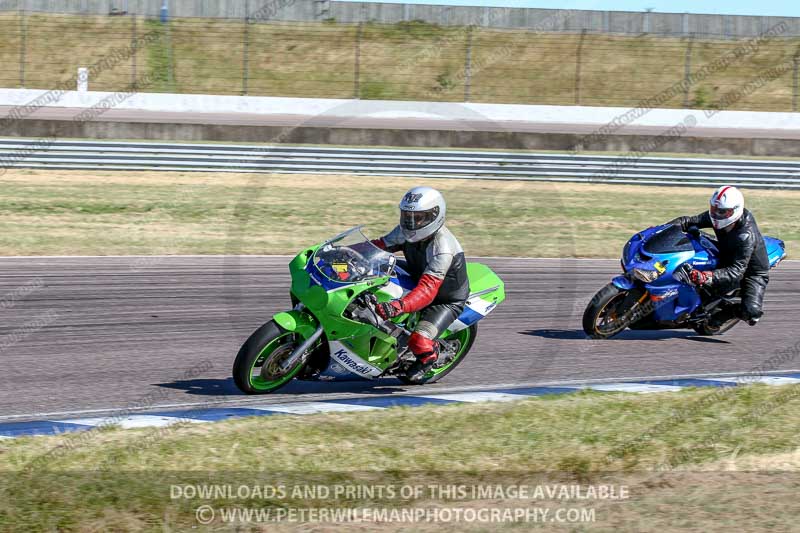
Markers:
<point>465,338</point>
<point>611,311</point>
<point>257,369</point>
<point>707,331</point>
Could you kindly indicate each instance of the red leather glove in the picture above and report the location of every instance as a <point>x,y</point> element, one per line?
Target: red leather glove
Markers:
<point>389,310</point>
<point>701,277</point>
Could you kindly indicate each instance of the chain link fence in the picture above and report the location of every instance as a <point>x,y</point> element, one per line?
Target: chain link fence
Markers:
<point>408,60</point>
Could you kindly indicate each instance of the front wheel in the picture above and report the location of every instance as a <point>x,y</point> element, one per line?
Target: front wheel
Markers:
<point>464,339</point>
<point>257,369</point>
<point>611,311</point>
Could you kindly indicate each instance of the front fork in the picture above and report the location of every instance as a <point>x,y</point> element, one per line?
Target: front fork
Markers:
<point>641,306</point>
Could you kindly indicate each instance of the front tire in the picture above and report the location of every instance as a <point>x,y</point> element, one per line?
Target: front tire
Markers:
<point>257,366</point>
<point>609,312</point>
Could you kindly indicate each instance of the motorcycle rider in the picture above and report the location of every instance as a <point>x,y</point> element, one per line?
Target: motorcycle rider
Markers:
<point>435,260</point>
<point>743,260</point>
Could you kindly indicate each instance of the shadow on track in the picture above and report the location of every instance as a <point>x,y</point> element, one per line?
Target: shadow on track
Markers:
<point>628,335</point>
<point>226,387</point>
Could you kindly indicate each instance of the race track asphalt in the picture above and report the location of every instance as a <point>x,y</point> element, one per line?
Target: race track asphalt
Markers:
<point>93,334</point>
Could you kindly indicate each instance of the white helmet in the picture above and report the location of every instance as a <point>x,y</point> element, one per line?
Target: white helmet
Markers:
<point>727,206</point>
<point>422,211</point>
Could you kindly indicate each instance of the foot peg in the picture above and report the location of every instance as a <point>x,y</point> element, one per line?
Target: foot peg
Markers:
<point>420,367</point>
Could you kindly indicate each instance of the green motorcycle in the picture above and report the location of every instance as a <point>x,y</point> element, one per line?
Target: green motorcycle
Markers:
<point>333,332</point>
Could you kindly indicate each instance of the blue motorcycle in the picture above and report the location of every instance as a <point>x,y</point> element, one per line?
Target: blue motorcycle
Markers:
<point>655,291</point>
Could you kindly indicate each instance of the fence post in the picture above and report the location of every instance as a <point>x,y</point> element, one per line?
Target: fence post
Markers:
<point>172,80</point>
<point>357,64</point>
<point>646,20</point>
<point>687,71</point>
<point>246,49</point>
<point>23,44</point>
<point>468,66</point>
<point>796,83</point>
<point>578,65</point>
<point>133,52</point>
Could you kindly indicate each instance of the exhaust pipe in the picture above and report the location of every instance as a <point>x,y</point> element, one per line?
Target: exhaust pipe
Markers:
<point>300,351</point>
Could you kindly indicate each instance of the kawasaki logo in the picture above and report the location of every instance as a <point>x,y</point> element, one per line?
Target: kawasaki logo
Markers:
<point>350,364</point>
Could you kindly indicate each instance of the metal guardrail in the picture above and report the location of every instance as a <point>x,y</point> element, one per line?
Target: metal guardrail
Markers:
<point>490,165</point>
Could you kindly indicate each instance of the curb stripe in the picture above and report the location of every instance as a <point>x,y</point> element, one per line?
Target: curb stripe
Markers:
<point>641,388</point>
<point>10,430</point>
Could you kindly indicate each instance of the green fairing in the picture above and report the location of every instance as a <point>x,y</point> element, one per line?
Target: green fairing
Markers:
<point>297,322</point>
<point>327,308</point>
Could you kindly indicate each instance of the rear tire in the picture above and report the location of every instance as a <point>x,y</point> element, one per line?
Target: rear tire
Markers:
<point>604,307</point>
<point>268,346</point>
<point>704,330</point>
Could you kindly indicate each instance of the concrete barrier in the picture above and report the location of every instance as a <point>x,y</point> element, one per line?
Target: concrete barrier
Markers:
<point>395,137</point>
<point>622,22</point>
<point>403,124</point>
<point>341,108</point>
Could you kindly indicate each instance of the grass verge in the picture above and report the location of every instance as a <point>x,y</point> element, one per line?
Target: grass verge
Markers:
<point>53,212</point>
<point>697,458</point>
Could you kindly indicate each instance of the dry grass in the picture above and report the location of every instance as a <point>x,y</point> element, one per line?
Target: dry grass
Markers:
<point>405,61</point>
<point>123,477</point>
<point>104,212</point>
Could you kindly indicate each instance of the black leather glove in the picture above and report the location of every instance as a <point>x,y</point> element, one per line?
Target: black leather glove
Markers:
<point>388,310</point>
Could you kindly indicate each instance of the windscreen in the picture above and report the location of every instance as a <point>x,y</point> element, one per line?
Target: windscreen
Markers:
<point>668,240</point>
<point>352,258</point>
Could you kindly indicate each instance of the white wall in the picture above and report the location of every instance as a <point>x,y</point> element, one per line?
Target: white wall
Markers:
<point>524,114</point>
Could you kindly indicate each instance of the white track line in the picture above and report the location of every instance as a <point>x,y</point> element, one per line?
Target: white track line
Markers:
<point>131,422</point>
<point>769,380</point>
<point>245,402</point>
<point>633,387</point>
<point>305,408</point>
<point>260,256</point>
<point>474,397</point>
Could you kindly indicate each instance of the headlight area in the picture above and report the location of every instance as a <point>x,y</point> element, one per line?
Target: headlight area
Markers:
<point>646,276</point>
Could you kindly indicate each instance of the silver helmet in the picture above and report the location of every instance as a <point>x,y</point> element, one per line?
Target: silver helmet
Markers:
<point>422,211</point>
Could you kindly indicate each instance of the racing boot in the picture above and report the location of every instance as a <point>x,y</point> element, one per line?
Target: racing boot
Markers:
<point>427,353</point>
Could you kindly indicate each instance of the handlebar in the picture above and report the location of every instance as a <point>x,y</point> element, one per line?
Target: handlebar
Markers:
<point>694,231</point>
<point>368,314</point>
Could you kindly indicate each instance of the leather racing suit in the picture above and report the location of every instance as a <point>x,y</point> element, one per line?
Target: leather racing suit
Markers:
<point>438,267</point>
<point>743,261</point>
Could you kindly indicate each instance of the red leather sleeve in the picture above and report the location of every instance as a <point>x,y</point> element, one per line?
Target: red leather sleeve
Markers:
<point>423,294</point>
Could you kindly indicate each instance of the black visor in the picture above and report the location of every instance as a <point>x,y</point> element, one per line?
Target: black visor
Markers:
<point>720,214</point>
<point>416,220</point>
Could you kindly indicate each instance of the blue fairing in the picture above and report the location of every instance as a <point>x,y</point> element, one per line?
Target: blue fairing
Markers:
<point>623,283</point>
<point>662,250</point>
<point>776,250</point>
<point>403,279</point>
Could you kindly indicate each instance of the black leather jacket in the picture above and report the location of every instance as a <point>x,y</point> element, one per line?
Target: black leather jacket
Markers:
<point>742,252</point>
